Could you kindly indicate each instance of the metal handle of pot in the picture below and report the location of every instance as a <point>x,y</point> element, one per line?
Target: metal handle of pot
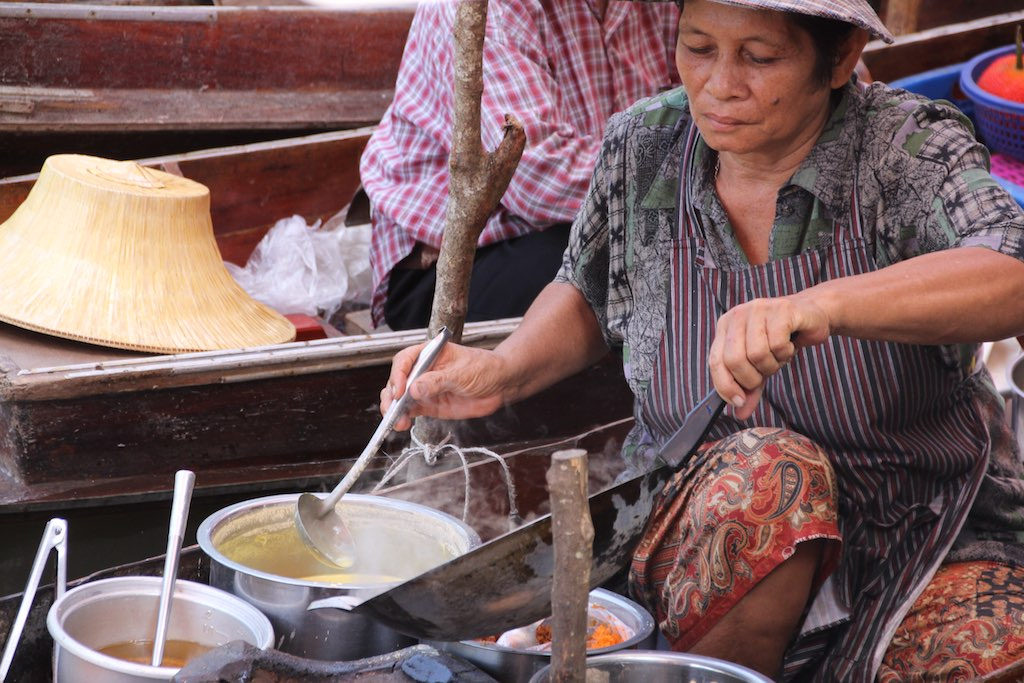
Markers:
<point>54,537</point>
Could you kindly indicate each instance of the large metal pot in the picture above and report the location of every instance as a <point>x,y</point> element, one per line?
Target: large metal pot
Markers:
<point>514,664</point>
<point>664,667</point>
<point>256,554</point>
<point>122,610</point>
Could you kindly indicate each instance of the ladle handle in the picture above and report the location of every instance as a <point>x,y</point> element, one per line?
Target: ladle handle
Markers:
<point>424,362</point>
<point>54,537</point>
<point>184,480</point>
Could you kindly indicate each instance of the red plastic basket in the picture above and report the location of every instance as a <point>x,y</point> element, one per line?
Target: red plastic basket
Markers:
<point>1000,121</point>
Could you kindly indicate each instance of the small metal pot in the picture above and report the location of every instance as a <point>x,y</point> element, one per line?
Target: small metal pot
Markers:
<point>513,664</point>
<point>395,540</point>
<point>102,613</point>
<point>664,667</point>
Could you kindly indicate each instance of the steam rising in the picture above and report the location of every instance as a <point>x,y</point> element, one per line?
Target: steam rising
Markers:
<point>488,509</point>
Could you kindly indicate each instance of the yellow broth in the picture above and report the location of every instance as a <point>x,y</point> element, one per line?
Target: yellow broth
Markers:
<point>280,551</point>
<point>176,652</point>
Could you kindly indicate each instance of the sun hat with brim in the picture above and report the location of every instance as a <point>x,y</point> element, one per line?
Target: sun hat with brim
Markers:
<point>856,12</point>
<point>115,254</point>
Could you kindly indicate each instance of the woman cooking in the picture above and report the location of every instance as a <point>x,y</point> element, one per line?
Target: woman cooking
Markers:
<point>826,256</point>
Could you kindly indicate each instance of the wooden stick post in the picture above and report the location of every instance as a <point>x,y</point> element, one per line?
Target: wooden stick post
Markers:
<point>478,178</point>
<point>573,535</point>
<point>478,181</point>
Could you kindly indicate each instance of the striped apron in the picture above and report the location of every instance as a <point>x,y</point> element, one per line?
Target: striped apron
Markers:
<point>900,427</point>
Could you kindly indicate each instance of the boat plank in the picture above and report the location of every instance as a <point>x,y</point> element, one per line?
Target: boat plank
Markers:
<point>909,16</point>
<point>39,367</point>
<point>937,47</point>
<point>264,419</point>
<point>105,109</point>
<point>276,60</point>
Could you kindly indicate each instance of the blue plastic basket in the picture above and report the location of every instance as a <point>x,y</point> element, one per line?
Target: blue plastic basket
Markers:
<point>1000,121</point>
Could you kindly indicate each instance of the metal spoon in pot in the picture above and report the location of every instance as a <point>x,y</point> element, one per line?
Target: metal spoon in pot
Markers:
<point>319,523</point>
<point>183,482</point>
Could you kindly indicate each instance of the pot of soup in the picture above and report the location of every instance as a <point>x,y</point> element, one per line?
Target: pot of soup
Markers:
<point>256,554</point>
<point>103,630</point>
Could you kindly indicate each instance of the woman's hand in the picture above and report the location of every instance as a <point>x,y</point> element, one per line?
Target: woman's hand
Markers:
<point>464,382</point>
<point>558,337</point>
<point>755,339</point>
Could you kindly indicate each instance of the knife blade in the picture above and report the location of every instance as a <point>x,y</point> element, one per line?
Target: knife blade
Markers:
<point>691,435</point>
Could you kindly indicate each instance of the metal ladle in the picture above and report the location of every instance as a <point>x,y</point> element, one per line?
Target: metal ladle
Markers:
<point>317,519</point>
<point>183,482</point>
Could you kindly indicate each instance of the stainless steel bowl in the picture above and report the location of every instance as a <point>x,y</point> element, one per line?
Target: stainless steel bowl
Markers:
<point>513,664</point>
<point>664,667</point>
<point>395,540</point>
<point>103,613</point>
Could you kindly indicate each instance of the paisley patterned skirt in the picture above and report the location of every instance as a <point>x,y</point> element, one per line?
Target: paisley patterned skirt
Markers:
<point>968,622</point>
<point>726,521</point>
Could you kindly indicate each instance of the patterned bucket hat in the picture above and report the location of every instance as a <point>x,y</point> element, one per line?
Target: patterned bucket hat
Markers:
<point>856,12</point>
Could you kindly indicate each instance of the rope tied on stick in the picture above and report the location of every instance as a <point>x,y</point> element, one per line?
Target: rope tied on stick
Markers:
<point>431,453</point>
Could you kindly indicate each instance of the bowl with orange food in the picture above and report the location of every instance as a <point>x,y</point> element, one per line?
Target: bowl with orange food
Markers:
<point>614,623</point>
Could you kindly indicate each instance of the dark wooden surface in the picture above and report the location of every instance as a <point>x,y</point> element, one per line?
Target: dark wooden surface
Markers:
<point>278,420</point>
<point>25,152</point>
<point>938,47</point>
<point>294,435</point>
<point>127,82</point>
<point>908,16</point>
<point>145,68</point>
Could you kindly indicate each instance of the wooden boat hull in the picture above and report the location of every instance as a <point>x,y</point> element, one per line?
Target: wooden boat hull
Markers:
<point>131,81</point>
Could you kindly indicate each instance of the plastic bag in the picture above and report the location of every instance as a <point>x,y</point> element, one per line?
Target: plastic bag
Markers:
<point>298,268</point>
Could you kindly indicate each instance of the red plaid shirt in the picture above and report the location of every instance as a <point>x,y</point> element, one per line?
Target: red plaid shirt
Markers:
<point>551,63</point>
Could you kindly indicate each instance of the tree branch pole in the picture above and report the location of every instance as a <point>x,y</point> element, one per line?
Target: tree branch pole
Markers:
<point>572,532</point>
<point>478,179</point>
<point>477,182</point>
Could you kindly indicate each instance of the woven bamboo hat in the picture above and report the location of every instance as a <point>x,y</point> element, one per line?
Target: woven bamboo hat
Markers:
<point>119,255</point>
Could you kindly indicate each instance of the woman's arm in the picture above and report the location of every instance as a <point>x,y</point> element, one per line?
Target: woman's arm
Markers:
<point>968,294</point>
<point>559,336</point>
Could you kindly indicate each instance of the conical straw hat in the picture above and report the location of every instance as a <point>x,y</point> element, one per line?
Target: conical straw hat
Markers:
<point>115,254</point>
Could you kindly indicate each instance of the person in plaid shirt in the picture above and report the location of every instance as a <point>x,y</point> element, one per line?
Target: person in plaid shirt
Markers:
<point>562,67</point>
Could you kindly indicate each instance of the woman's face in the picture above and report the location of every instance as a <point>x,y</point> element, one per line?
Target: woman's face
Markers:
<point>748,75</point>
